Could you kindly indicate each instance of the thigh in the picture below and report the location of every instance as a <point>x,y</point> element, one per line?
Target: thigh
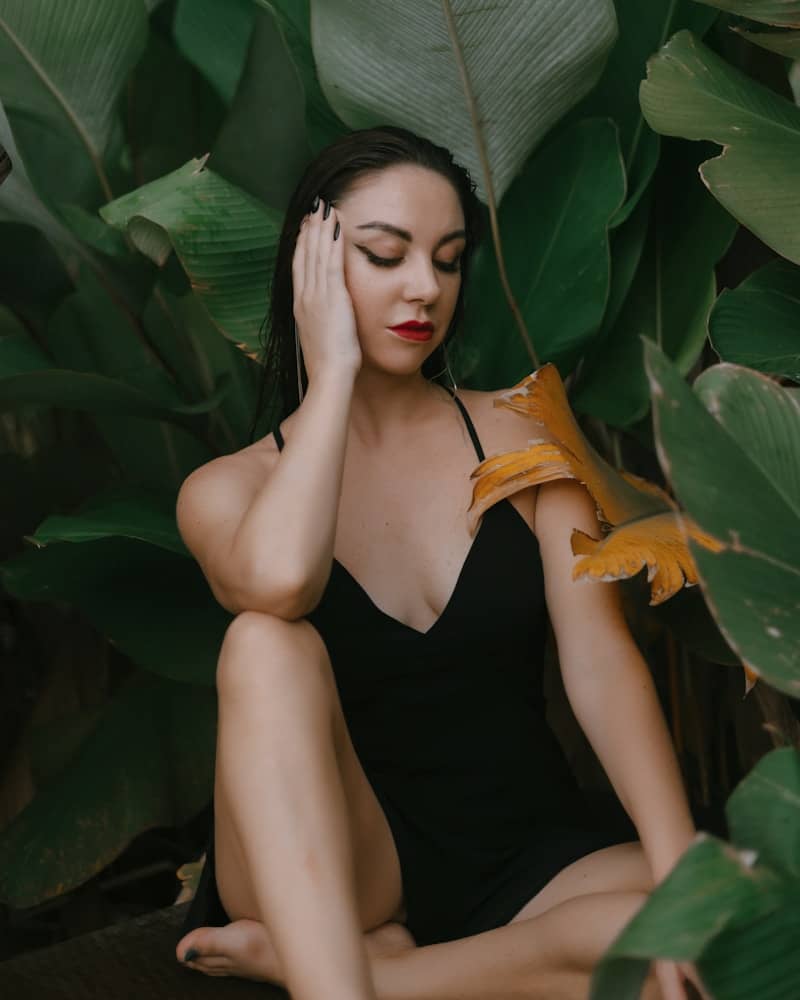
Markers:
<point>292,653</point>
<point>619,868</point>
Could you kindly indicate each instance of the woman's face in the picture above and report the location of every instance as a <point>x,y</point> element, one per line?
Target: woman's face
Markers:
<point>403,231</point>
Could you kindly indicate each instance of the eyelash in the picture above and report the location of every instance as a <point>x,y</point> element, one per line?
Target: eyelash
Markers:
<point>448,268</point>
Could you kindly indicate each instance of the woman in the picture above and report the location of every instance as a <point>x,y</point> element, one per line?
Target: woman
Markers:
<point>392,817</point>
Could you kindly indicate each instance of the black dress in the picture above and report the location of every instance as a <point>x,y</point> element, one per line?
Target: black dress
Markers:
<point>449,726</point>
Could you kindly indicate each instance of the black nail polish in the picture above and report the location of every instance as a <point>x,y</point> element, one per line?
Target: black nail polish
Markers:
<point>315,203</point>
<point>191,955</point>
<point>336,230</point>
<point>327,211</point>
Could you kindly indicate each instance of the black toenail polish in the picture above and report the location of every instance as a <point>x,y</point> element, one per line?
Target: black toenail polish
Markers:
<point>191,955</point>
<point>315,203</point>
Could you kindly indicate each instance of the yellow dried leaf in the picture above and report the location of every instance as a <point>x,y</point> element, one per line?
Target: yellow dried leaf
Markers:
<point>641,522</point>
<point>656,542</point>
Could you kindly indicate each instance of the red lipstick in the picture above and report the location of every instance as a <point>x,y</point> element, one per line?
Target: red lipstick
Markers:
<point>413,330</point>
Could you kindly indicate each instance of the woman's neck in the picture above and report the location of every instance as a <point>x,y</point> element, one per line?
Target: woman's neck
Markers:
<point>386,406</point>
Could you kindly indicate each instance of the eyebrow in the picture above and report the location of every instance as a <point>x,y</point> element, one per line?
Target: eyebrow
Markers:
<point>404,234</point>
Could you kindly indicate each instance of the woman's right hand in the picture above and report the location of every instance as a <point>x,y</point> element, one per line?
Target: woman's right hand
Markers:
<point>323,309</point>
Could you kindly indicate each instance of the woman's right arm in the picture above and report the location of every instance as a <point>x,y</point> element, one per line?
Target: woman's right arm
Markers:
<point>265,543</point>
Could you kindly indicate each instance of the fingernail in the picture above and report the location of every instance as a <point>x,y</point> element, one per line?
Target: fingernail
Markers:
<point>327,211</point>
<point>191,955</point>
<point>315,203</point>
<point>336,230</point>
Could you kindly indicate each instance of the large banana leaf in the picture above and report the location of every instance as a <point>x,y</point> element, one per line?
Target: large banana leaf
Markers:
<point>20,202</point>
<point>692,92</point>
<point>554,227</point>
<point>214,37</point>
<point>785,43</point>
<point>225,240</point>
<point>527,66</point>
<point>155,742</point>
<point>643,29</point>
<point>152,604</point>
<point>783,12</point>
<point>268,115</point>
<point>736,473</point>
<point>758,323</point>
<point>164,90</point>
<point>733,912</point>
<point>119,512</point>
<point>294,21</point>
<point>65,64</point>
<point>671,296</point>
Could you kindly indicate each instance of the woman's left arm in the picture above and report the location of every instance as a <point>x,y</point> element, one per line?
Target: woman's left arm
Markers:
<point>609,684</point>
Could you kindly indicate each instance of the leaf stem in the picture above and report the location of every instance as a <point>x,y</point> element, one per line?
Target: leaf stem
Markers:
<point>490,199</point>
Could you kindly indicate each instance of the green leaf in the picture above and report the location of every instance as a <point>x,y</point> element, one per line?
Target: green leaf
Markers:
<point>756,960</point>
<point>20,203</point>
<point>758,323</point>
<point>225,240</point>
<point>764,811</point>
<point>293,20</point>
<point>692,92</point>
<point>785,43</point>
<point>18,353</point>
<point>267,114</point>
<point>737,493</point>
<point>710,887</point>
<point>154,605</point>
<point>527,68</point>
<point>785,12</point>
<point>165,89</point>
<point>643,29</point>
<point>670,298</point>
<point>118,512</point>
<point>148,763</point>
<point>762,418</point>
<point>218,362</point>
<point>66,63</point>
<point>93,393</point>
<point>214,38</point>
<point>554,229</point>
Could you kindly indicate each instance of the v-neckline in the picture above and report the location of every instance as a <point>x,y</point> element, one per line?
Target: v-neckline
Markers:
<point>461,573</point>
<point>385,614</point>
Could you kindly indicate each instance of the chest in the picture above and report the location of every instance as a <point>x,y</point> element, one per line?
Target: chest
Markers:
<point>402,533</point>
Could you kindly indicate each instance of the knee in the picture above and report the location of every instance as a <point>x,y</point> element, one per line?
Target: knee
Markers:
<point>260,648</point>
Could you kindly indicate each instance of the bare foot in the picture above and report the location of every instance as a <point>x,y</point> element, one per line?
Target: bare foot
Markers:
<point>243,949</point>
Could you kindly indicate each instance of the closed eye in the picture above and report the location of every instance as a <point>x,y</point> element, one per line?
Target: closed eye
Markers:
<point>449,267</point>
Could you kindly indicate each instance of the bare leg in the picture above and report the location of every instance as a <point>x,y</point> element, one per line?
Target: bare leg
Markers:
<point>282,811</point>
<point>547,957</point>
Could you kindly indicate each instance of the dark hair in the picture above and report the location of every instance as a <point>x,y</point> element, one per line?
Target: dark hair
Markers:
<point>330,175</point>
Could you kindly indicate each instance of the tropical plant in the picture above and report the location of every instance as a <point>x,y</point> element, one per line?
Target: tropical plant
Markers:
<point>136,284</point>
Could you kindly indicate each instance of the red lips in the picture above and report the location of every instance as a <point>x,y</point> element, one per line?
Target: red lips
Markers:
<point>413,324</point>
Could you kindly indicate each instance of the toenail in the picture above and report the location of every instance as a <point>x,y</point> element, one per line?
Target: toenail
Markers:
<point>191,955</point>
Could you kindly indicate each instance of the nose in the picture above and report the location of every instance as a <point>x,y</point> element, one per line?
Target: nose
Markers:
<point>422,281</point>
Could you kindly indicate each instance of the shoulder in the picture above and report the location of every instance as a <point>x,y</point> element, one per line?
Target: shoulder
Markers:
<point>221,489</point>
<point>499,428</point>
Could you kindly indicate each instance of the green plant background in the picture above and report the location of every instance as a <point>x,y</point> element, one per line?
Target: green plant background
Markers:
<point>152,149</point>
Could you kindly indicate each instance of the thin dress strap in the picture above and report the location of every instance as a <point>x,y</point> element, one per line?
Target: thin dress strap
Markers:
<point>467,420</point>
<point>471,428</point>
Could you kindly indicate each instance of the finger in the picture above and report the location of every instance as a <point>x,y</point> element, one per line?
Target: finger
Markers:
<point>312,249</point>
<point>326,238</point>
<point>299,261</point>
<point>669,979</point>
